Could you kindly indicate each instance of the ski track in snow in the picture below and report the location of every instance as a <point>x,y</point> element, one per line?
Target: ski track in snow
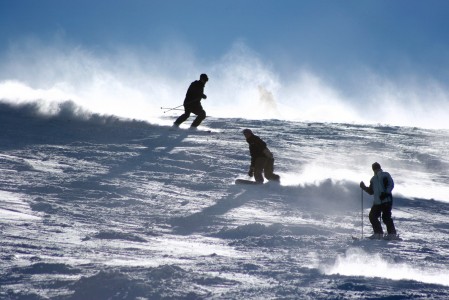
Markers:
<point>112,209</point>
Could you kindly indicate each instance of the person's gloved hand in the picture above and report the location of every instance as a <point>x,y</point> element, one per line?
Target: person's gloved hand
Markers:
<point>383,195</point>
<point>251,172</point>
<point>362,185</point>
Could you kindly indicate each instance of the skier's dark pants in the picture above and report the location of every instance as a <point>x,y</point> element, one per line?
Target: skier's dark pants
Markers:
<point>265,165</point>
<point>383,209</point>
<point>198,111</point>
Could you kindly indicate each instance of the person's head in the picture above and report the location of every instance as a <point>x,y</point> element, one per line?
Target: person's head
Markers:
<point>204,78</point>
<point>376,167</point>
<point>247,133</point>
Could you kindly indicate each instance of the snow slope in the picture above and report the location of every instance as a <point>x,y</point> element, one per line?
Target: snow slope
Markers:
<point>95,207</point>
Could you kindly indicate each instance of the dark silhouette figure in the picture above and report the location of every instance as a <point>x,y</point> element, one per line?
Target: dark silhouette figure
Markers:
<point>261,158</point>
<point>192,102</point>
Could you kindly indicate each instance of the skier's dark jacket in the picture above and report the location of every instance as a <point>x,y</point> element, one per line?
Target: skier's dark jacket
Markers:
<point>256,148</point>
<point>194,95</point>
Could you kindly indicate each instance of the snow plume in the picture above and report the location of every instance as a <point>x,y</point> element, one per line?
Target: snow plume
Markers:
<point>119,83</point>
<point>357,262</point>
<point>244,86</point>
<point>66,111</point>
<point>40,102</point>
<point>309,98</point>
<point>136,83</point>
<point>267,100</point>
<point>407,100</point>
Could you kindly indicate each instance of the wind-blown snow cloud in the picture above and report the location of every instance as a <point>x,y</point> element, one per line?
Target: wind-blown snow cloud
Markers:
<point>137,83</point>
<point>357,262</point>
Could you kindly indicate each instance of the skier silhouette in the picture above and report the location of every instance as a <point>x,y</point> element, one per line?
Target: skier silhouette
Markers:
<point>192,103</point>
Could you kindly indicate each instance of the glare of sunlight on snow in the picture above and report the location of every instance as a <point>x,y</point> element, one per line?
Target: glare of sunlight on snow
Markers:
<point>193,246</point>
<point>410,184</point>
<point>13,208</point>
<point>18,93</point>
<point>356,262</point>
<point>428,191</point>
<point>315,173</point>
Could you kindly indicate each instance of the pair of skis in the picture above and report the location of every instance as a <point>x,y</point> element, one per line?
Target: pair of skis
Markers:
<point>384,238</point>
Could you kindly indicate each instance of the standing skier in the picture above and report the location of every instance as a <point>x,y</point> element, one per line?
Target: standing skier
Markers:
<point>192,102</point>
<point>381,185</point>
<point>261,158</point>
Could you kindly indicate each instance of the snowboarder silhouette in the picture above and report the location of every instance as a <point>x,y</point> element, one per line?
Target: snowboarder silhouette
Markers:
<point>261,158</point>
<point>192,103</point>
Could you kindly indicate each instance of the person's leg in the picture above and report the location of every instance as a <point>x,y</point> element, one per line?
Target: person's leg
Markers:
<point>268,170</point>
<point>386,217</point>
<point>200,116</point>
<point>258,169</point>
<point>374,215</point>
<point>182,117</point>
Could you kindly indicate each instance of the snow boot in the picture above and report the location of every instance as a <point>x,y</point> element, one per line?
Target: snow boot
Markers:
<point>391,237</point>
<point>376,236</point>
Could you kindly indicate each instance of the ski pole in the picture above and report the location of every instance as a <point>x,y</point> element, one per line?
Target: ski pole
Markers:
<point>172,109</point>
<point>169,109</point>
<point>362,211</point>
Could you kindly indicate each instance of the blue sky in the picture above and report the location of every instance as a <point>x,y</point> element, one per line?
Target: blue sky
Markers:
<point>324,34</point>
<point>336,40</point>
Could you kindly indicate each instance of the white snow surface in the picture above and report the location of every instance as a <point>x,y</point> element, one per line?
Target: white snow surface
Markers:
<point>99,207</point>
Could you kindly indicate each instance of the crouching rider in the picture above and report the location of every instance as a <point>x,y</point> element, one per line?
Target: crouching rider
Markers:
<point>261,158</point>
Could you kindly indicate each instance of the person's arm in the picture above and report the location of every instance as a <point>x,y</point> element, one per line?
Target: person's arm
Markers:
<point>368,189</point>
<point>388,183</point>
<point>388,186</point>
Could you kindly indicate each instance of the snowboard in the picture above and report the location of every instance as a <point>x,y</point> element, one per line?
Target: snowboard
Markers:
<point>245,181</point>
<point>190,130</point>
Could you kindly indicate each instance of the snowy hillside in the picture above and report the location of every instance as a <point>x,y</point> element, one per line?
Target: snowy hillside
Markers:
<point>101,208</point>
